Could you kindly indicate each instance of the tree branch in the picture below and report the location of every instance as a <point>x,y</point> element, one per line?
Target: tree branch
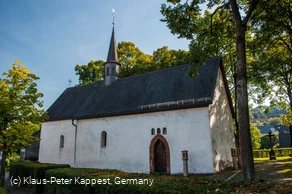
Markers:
<point>249,12</point>
<point>215,11</point>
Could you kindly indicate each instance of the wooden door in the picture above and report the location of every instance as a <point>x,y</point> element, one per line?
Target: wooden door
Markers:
<point>160,156</point>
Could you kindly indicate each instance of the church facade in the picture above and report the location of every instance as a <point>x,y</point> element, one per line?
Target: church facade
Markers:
<point>143,123</point>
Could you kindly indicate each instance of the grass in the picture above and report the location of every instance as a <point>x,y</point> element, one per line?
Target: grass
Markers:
<point>261,159</point>
<point>4,190</point>
<point>287,165</point>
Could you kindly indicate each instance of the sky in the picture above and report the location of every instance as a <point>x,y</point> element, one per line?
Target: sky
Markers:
<point>51,37</point>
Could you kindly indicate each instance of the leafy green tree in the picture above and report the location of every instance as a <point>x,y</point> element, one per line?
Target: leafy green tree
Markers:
<point>265,141</point>
<point>133,61</point>
<point>90,73</point>
<point>286,119</point>
<point>165,58</point>
<point>20,110</point>
<point>273,49</point>
<point>184,19</point>
<point>274,121</point>
<point>255,137</point>
<point>273,53</point>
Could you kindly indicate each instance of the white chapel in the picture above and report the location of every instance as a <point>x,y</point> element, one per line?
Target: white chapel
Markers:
<point>143,123</point>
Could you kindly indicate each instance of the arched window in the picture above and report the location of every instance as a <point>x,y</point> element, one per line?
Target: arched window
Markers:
<point>103,139</point>
<point>152,131</point>
<point>62,141</point>
<point>158,131</point>
<point>107,71</point>
<point>164,131</point>
<point>113,70</point>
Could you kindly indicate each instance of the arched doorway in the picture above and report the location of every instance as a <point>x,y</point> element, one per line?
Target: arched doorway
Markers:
<point>159,155</point>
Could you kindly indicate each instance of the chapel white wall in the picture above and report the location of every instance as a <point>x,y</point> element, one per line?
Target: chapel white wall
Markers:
<point>128,141</point>
<point>50,151</point>
<point>221,125</point>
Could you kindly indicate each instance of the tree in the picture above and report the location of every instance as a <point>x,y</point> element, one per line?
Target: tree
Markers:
<point>165,58</point>
<point>265,141</point>
<point>274,121</point>
<point>273,32</point>
<point>183,19</point>
<point>90,73</point>
<point>133,61</point>
<point>255,137</point>
<point>20,111</point>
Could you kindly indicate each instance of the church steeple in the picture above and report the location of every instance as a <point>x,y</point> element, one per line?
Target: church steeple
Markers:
<point>112,55</point>
<point>112,65</point>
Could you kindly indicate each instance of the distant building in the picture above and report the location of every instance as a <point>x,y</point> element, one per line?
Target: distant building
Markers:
<point>284,136</point>
<point>266,129</point>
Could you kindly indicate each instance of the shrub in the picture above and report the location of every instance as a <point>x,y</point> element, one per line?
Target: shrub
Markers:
<point>32,171</point>
<point>265,153</point>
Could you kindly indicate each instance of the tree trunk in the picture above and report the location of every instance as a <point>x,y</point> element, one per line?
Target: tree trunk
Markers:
<point>235,111</point>
<point>242,98</point>
<point>3,165</point>
<point>4,154</point>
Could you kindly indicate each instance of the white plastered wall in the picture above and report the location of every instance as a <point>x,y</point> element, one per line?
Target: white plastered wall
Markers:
<point>128,141</point>
<point>50,151</point>
<point>221,124</point>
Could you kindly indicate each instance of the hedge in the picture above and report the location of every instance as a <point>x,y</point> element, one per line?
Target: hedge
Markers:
<point>265,153</point>
<point>28,172</point>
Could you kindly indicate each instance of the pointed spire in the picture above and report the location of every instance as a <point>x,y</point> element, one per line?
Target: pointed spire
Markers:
<point>112,55</point>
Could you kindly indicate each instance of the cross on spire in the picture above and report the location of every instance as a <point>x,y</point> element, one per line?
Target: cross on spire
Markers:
<point>113,16</point>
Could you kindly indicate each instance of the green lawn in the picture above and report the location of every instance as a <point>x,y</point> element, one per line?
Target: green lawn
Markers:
<point>287,166</point>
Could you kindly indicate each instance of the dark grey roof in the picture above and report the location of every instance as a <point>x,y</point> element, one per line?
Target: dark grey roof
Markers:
<point>112,55</point>
<point>266,129</point>
<point>160,90</point>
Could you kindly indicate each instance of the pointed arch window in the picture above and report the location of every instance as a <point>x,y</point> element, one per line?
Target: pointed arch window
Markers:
<point>103,139</point>
<point>62,141</point>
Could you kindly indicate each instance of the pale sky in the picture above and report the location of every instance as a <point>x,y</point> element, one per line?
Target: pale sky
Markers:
<point>50,37</point>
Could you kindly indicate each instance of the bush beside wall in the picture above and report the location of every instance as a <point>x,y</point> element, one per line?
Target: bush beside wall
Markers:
<point>33,170</point>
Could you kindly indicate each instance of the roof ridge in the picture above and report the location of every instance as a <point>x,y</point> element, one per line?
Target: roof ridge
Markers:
<point>155,71</point>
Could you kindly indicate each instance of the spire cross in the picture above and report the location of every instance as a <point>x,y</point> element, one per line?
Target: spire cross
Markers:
<point>113,16</point>
<point>69,82</point>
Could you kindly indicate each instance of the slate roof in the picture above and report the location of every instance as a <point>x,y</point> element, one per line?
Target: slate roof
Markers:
<point>266,129</point>
<point>160,90</point>
<point>112,55</point>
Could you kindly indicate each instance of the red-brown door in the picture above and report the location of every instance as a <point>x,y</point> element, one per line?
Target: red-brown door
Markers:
<point>160,156</point>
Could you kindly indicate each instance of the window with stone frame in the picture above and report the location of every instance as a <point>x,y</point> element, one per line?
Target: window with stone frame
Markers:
<point>62,141</point>
<point>103,139</point>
